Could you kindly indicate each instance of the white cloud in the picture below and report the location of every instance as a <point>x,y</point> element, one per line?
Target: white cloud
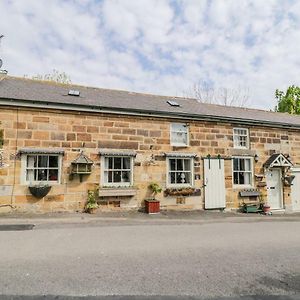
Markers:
<point>157,46</point>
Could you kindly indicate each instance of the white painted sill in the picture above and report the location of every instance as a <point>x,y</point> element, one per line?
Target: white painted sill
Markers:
<point>117,191</point>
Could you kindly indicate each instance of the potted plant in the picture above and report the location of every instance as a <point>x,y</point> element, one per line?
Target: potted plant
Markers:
<point>152,206</point>
<point>91,204</point>
<point>39,190</point>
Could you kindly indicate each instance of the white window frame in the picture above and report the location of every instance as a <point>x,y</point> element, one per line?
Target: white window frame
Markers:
<point>115,184</point>
<point>252,172</point>
<point>237,136</point>
<point>24,168</point>
<point>174,131</point>
<point>181,185</point>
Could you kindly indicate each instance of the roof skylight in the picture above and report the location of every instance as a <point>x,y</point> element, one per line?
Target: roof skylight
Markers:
<point>172,103</point>
<point>74,93</point>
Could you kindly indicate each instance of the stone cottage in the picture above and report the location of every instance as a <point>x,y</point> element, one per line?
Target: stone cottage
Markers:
<point>77,138</point>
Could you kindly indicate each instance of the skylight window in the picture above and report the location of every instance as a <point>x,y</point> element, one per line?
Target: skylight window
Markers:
<point>172,103</point>
<point>74,93</point>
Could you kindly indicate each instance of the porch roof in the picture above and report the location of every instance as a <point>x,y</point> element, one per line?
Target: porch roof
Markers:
<point>277,160</point>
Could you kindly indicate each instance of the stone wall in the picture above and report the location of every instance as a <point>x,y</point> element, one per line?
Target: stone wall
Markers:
<point>149,137</point>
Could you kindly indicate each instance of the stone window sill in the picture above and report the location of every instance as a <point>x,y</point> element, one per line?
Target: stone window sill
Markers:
<point>112,192</point>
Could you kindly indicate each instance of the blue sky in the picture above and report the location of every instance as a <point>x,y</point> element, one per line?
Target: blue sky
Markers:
<point>157,46</point>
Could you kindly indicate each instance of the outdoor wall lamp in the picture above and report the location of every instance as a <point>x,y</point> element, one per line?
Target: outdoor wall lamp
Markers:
<point>256,158</point>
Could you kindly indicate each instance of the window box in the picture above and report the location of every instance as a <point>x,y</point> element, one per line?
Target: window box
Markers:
<point>179,192</point>
<point>152,206</point>
<point>115,191</point>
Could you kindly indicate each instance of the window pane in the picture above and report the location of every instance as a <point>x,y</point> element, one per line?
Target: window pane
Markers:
<point>110,176</point>
<point>179,138</point>
<point>53,175</point>
<point>179,164</point>
<point>42,161</point>
<point>242,164</point>
<point>109,162</point>
<point>126,163</point>
<point>117,163</point>
<point>247,165</point>
<point>247,177</point>
<point>30,175</point>
<point>117,176</point>
<point>187,164</point>
<point>181,177</point>
<point>235,164</point>
<point>172,164</point>
<point>53,161</point>
<point>31,161</point>
<point>241,178</point>
<point>235,178</point>
<point>126,176</point>
<point>172,178</point>
<point>178,127</point>
<point>187,177</point>
<point>42,175</point>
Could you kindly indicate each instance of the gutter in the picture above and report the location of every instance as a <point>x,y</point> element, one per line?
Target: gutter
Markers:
<point>144,113</point>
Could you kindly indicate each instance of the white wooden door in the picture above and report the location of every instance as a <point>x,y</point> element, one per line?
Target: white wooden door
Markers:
<point>295,189</point>
<point>274,188</point>
<point>214,181</point>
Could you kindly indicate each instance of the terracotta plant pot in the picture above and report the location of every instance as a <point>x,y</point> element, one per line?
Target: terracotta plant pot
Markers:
<point>91,210</point>
<point>266,209</point>
<point>152,206</point>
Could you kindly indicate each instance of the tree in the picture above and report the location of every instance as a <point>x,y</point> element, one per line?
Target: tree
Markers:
<point>55,76</point>
<point>289,101</point>
<point>206,93</point>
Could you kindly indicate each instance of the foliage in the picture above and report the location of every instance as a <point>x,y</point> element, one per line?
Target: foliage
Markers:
<point>186,191</point>
<point>155,188</point>
<point>91,202</point>
<point>289,101</point>
<point>55,76</point>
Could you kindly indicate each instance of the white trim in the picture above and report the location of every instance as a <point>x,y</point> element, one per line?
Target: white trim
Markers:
<point>175,185</point>
<point>247,138</point>
<point>23,174</point>
<point>115,184</point>
<point>241,186</point>
<point>187,135</point>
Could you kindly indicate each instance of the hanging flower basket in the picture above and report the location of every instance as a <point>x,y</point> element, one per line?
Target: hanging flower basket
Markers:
<point>40,190</point>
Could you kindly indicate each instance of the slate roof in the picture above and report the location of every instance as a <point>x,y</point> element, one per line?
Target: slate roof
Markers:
<point>43,92</point>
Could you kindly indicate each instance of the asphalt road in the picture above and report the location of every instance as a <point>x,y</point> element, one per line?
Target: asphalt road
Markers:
<point>190,259</point>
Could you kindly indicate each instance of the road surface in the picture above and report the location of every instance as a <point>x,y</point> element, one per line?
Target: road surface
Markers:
<point>223,259</point>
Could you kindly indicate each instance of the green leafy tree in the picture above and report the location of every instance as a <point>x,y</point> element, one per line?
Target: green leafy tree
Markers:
<point>288,101</point>
<point>55,76</point>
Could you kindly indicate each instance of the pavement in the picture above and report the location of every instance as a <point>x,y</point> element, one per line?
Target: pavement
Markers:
<point>131,255</point>
<point>136,217</point>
